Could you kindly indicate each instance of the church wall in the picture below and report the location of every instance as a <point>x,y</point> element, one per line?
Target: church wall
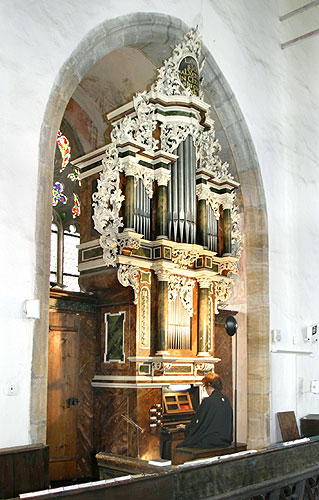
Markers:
<point>280,104</point>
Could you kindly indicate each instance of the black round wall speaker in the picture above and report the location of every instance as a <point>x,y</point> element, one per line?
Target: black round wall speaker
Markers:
<point>231,325</point>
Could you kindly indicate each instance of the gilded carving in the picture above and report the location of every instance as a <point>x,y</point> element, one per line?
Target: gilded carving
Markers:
<point>182,286</point>
<point>183,258</point>
<point>144,322</point>
<point>231,267</point>
<point>222,291</point>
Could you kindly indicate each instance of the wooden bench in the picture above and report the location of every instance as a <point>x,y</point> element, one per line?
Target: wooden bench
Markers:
<point>23,469</point>
<point>186,454</point>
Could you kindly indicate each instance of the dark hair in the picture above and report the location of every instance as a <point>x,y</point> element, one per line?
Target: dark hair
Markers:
<point>213,380</point>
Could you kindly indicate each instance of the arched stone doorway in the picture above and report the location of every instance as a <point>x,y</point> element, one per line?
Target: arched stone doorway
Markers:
<point>157,32</point>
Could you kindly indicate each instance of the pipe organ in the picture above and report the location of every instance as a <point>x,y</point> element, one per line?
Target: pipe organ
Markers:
<point>160,244</point>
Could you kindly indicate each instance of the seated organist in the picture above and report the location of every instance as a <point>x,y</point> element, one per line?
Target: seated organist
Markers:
<point>212,424</point>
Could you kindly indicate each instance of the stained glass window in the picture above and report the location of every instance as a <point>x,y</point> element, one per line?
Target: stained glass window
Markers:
<point>66,202</point>
<point>54,253</point>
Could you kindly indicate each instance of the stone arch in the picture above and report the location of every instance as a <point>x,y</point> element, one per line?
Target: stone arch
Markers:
<point>139,30</point>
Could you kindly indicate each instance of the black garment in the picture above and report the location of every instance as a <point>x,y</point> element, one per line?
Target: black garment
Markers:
<point>212,424</point>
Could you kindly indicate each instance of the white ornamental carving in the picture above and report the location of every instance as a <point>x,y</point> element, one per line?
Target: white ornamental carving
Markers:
<point>125,241</point>
<point>128,276</point>
<point>204,193</point>
<point>143,173</point>
<point>157,365</point>
<point>138,128</point>
<point>162,176</point>
<point>231,267</point>
<point>183,258</point>
<point>237,235</point>
<point>182,286</point>
<point>168,81</point>
<point>222,290</point>
<point>107,203</point>
<point>203,367</point>
<point>227,200</point>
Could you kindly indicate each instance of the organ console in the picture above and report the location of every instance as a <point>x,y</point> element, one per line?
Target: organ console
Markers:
<point>178,408</point>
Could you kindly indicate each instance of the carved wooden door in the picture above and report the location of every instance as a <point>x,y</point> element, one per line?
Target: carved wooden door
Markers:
<point>63,370</point>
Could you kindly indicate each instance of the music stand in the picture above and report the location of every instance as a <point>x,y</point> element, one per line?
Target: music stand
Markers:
<point>138,428</point>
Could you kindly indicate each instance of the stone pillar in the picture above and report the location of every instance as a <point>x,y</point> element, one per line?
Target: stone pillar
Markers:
<point>162,176</point>
<point>202,223</point>
<point>203,322</point>
<point>129,202</point>
<point>162,313</point>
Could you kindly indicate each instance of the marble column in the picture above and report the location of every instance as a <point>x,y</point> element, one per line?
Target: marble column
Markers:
<point>227,223</point>
<point>129,202</point>
<point>203,323</point>
<point>162,313</point>
<point>161,213</point>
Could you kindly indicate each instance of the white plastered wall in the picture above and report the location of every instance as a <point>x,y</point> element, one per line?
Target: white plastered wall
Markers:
<point>277,92</point>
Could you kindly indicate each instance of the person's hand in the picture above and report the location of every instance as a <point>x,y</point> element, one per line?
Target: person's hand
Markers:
<point>181,426</point>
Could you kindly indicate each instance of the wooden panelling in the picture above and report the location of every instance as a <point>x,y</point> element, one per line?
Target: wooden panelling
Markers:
<point>23,469</point>
<point>72,365</point>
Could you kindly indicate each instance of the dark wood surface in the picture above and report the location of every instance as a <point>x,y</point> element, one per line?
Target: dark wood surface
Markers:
<point>288,425</point>
<point>309,425</point>
<point>72,359</point>
<point>23,469</point>
<point>186,454</point>
<point>280,472</point>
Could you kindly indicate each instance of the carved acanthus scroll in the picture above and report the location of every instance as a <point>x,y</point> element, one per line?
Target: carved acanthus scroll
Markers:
<point>107,202</point>
<point>182,286</point>
<point>128,276</point>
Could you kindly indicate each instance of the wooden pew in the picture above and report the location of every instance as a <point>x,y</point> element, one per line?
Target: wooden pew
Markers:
<point>186,454</point>
<point>23,469</point>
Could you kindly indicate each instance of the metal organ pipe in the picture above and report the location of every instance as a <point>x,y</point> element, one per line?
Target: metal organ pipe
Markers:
<point>182,195</point>
<point>142,219</point>
<point>212,230</point>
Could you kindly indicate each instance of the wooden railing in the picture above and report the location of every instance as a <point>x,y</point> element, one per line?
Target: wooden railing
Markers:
<point>280,473</point>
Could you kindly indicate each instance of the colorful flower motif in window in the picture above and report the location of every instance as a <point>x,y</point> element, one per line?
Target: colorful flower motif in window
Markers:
<point>75,176</point>
<point>64,148</point>
<point>57,194</point>
<point>76,210</point>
